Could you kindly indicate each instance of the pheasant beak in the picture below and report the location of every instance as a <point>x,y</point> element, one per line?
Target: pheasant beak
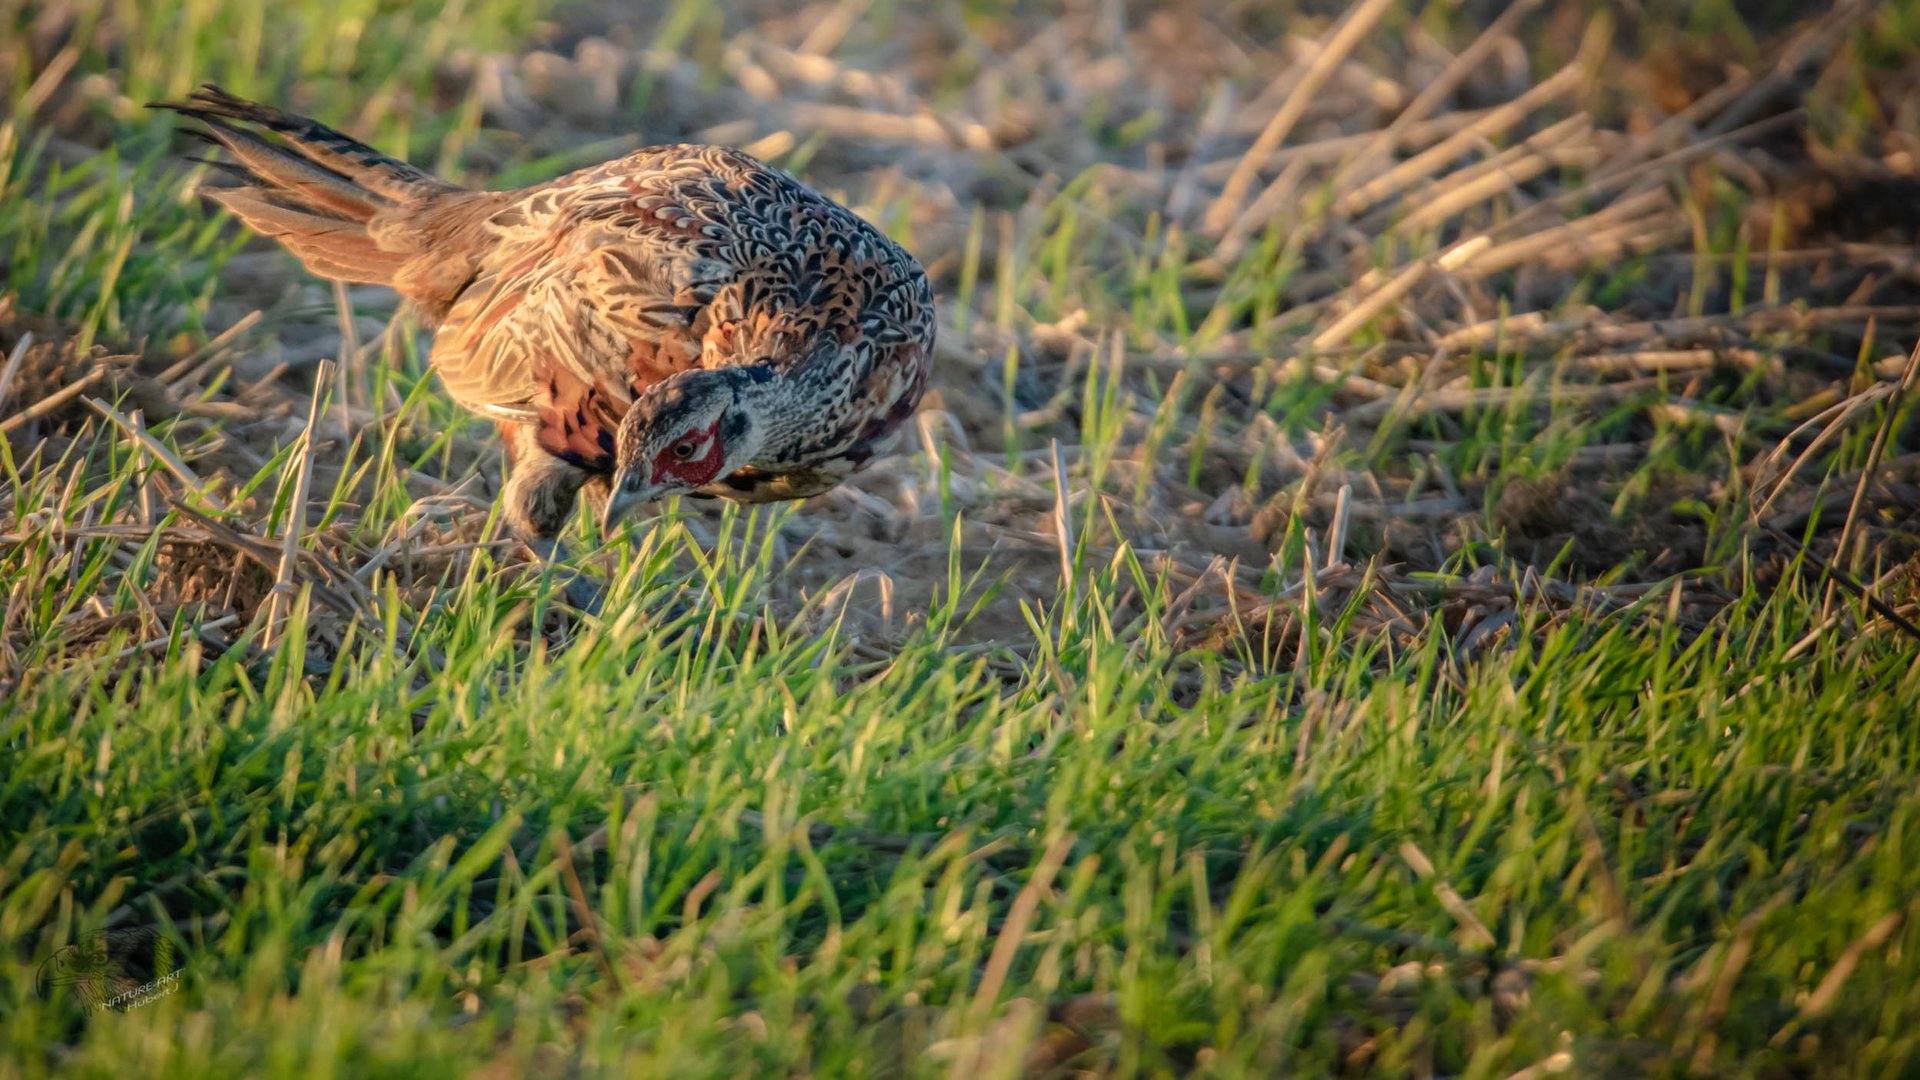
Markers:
<point>622,503</point>
<point>619,505</point>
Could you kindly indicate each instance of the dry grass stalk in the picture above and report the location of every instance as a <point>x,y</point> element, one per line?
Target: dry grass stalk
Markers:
<point>1394,291</point>
<point>201,627</point>
<point>1353,26</point>
<point>187,371</point>
<point>1492,125</point>
<point>351,364</point>
<point>283,582</point>
<point>1842,547</point>
<point>1815,41</point>
<point>1063,527</point>
<point>53,403</point>
<point>1601,185</point>
<point>1830,422</point>
<point>159,452</point>
<point>18,354</point>
<point>1821,1001</point>
<point>1026,905</point>
<point>1505,171</point>
<point>1476,931</point>
<point>1435,92</point>
<point>1341,148</point>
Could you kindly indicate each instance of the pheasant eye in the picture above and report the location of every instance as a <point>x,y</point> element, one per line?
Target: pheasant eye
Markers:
<point>683,450</point>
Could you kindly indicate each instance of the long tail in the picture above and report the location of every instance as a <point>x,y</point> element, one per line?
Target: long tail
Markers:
<point>347,210</point>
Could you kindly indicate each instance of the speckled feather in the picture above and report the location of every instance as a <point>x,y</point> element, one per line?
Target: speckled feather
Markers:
<point>599,284</point>
<point>560,305</point>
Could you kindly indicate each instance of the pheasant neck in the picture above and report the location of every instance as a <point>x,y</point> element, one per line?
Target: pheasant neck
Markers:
<point>795,410</point>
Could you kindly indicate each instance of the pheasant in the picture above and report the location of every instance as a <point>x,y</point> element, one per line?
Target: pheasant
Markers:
<point>682,320</point>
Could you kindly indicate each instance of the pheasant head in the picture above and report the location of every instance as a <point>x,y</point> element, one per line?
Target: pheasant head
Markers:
<point>686,432</point>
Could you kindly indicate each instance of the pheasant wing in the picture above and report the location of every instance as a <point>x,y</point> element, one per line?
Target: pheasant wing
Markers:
<point>584,302</point>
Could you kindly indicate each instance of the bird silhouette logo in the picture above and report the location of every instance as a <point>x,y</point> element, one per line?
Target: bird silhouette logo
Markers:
<point>113,969</point>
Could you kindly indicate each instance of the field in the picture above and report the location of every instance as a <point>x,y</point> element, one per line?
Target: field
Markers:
<point>1408,566</point>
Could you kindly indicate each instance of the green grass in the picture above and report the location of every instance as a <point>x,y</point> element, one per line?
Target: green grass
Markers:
<point>1627,808</point>
<point>713,834</point>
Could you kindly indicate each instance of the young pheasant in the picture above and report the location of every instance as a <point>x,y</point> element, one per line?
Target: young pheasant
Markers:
<point>685,319</point>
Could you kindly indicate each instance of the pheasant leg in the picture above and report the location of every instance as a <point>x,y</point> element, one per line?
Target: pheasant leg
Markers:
<point>538,501</point>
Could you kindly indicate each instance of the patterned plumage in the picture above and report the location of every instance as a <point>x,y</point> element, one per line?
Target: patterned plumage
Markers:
<point>682,319</point>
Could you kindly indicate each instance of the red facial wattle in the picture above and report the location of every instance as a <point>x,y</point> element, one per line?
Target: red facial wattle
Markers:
<point>693,472</point>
